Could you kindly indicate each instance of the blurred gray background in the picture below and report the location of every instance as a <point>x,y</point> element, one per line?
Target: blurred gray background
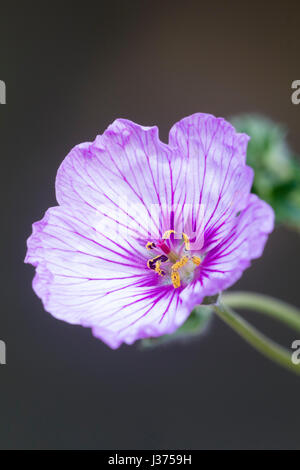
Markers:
<point>70,72</point>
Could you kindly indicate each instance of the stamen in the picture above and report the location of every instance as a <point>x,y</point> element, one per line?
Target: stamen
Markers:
<point>180,263</point>
<point>186,241</point>
<point>151,263</point>
<point>150,245</point>
<point>196,260</point>
<point>159,271</point>
<point>167,234</point>
<point>175,277</point>
<point>173,258</point>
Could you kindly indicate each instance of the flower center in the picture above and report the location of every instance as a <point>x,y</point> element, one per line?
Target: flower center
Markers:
<point>178,264</point>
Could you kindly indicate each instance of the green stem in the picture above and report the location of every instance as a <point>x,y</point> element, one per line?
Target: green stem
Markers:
<point>262,303</point>
<point>259,341</point>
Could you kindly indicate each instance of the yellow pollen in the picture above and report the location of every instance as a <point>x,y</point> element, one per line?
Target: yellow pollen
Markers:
<point>196,260</point>
<point>151,261</point>
<point>180,263</point>
<point>159,271</point>
<point>185,238</point>
<point>150,245</point>
<point>186,241</point>
<point>167,234</point>
<point>156,262</point>
<point>175,277</point>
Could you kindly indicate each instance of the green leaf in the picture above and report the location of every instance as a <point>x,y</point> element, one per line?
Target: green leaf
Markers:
<point>277,170</point>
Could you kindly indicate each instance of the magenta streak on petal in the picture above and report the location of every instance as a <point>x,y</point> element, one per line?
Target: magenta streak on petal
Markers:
<point>87,274</point>
<point>166,310</point>
<point>136,194</point>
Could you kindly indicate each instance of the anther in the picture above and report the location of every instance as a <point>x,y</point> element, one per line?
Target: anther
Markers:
<point>180,263</point>
<point>159,271</point>
<point>150,245</point>
<point>151,263</point>
<point>196,260</point>
<point>167,234</point>
<point>186,241</point>
<point>175,277</point>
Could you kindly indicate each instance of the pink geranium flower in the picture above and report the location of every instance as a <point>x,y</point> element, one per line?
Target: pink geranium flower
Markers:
<point>144,230</point>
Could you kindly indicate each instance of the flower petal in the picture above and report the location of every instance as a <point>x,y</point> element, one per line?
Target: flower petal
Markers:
<point>126,188</point>
<point>217,180</point>
<point>225,263</point>
<point>128,170</point>
<point>86,277</point>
